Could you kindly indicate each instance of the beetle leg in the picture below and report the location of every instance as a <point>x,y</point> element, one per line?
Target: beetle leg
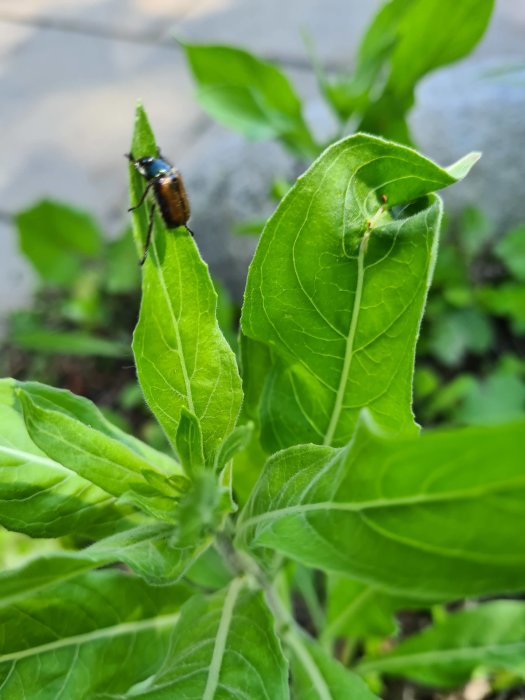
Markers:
<point>141,200</point>
<point>188,229</point>
<point>148,235</point>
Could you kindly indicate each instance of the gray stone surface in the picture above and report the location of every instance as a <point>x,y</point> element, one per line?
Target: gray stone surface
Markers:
<point>483,112</point>
<point>70,73</point>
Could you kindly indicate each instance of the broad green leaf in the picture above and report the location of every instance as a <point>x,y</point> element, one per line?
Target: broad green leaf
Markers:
<point>475,231</point>
<point>490,637</point>
<point>122,271</point>
<point>182,357</point>
<point>152,551</point>
<point>224,646</point>
<point>506,300</point>
<point>420,36</point>
<point>40,497</point>
<point>411,515</point>
<point>511,250</point>
<point>68,343</point>
<point>317,290</point>
<point>189,442</point>
<point>256,363</point>
<point>456,332</point>
<point>357,610</point>
<point>209,571</point>
<point>86,412</point>
<point>433,33</point>
<point>100,459</point>
<point>234,443</point>
<point>249,95</point>
<point>96,636</point>
<point>318,676</point>
<point>498,398</point>
<point>58,240</point>
<point>406,40</point>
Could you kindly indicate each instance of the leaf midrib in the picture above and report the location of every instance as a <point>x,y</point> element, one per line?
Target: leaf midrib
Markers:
<point>437,655</point>
<point>174,321</point>
<point>349,347</point>
<point>221,638</point>
<point>86,637</point>
<point>358,506</point>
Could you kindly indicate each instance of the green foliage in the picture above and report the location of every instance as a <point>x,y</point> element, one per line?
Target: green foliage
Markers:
<point>58,240</point>
<point>314,390</point>
<point>358,517</point>
<point>404,532</point>
<point>475,310</point>
<point>249,95</point>
<point>489,638</point>
<point>183,360</point>
<point>405,41</point>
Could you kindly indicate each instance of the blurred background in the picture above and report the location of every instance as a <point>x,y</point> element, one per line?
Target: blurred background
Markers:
<point>70,76</point>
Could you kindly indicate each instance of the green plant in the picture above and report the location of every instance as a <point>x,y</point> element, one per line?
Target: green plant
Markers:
<point>346,496</point>
<point>406,40</point>
<point>77,333</point>
<point>470,371</point>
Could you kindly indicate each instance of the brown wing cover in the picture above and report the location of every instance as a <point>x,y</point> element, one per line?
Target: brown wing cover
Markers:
<point>172,200</point>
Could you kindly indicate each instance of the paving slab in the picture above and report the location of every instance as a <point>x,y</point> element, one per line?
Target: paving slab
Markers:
<point>273,28</point>
<point>138,20</point>
<point>70,73</point>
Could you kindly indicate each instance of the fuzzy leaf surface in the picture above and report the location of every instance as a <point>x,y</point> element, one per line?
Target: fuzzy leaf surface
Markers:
<point>182,358</point>
<point>490,636</point>
<point>97,635</point>
<point>340,315</point>
<point>412,515</point>
<point>224,646</point>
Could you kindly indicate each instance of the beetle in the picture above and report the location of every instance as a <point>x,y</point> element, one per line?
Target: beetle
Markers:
<point>169,193</point>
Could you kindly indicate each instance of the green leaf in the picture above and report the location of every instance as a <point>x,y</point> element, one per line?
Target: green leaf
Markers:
<point>223,646</point>
<point>418,37</point>
<point>53,643</point>
<point>99,458</point>
<point>511,250</point>
<point>316,294</point>
<point>499,398</point>
<point>235,442</point>
<point>39,497</point>
<point>58,240</point>
<point>508,301</point>
<point>189,442</point>
<point>152,551</point>
<point>249,95</point>
<point>357,610</point>
<point>46,341</point>
<point>475,230</point>
<point>209,571</point>
<point>411,515</point>
<point>182,357</point>
<point>122,271</point>
<point>489,637</point>
<point>317,676</point>
<point>455,333</point>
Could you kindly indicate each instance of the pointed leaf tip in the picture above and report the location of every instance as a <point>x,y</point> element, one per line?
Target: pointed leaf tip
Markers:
<point>461,168</point>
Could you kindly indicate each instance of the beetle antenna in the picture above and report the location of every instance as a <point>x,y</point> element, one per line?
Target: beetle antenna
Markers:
<point>130,157</point>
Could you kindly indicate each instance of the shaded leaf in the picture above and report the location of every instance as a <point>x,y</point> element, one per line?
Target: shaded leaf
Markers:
<point>53,642</point>
<point>57,239</point>
<point>182,357</point>
<point>249,95</point>
<point>317,676</point>
<point>489,637</point>
<point>414,515</point>
<point>39,496</point>
<point>223,646</point>
<point>316,292</point>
